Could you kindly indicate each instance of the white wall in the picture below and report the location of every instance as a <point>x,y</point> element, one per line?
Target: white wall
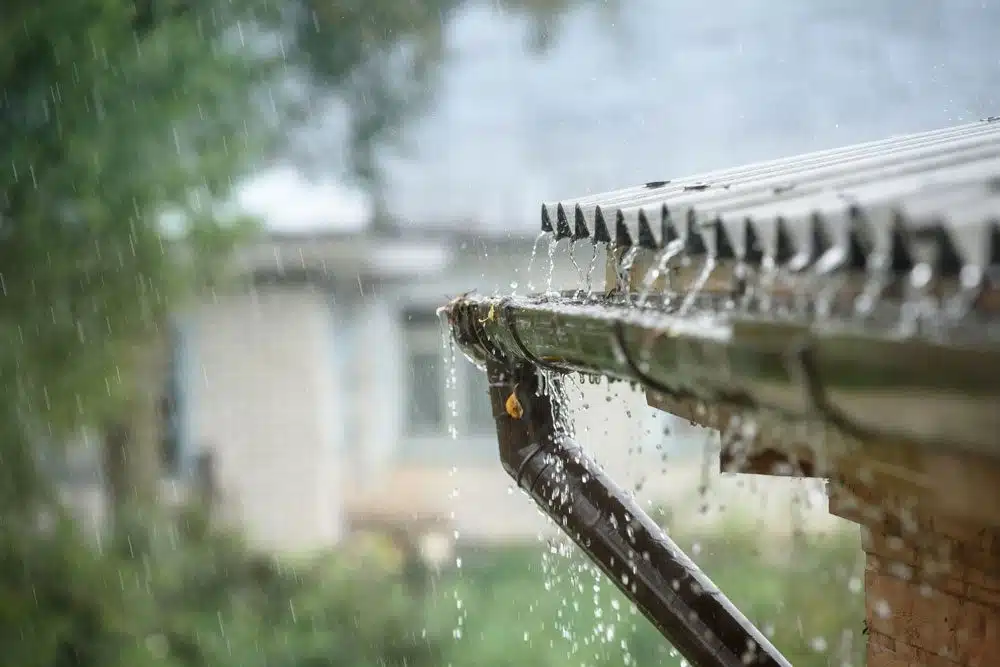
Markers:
<point>264,399</point>
<point>376,386</point>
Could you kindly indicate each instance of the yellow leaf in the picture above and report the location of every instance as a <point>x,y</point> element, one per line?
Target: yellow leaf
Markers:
<point>513,406</point>
<point>490,316</point>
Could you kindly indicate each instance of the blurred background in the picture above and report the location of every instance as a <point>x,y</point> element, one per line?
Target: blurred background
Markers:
<point>232,431</point>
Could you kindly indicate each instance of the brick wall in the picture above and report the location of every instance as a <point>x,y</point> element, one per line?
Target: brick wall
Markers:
<point>932,585</point>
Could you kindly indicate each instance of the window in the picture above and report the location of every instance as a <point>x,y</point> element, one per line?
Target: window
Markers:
<point>480,412</point>
<point>429,399</point>
<point>425,396</point>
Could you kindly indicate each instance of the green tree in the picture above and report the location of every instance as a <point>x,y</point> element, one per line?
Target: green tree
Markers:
<point>107,121</point>
<point>194,597</point>
<point>116,113</point>
<point>124,125</point>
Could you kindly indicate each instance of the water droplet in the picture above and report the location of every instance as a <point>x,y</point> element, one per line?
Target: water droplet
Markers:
<point>882,609</point>
<point>531,262</point>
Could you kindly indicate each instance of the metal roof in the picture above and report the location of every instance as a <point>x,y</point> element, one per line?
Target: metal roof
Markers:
<point>870,199</point>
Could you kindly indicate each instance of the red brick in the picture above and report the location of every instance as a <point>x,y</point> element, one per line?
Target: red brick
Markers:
<point>980,579</point>
<point>880,642</point>
<point>937,576</point>
<point>927,611</point>
<point>978,635</point>
<point>984,596</point>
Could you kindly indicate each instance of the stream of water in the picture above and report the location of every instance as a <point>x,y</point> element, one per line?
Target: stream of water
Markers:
<point>579,587</point>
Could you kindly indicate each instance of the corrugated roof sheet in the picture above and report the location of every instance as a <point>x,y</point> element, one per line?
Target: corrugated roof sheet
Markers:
<point>879,198</point>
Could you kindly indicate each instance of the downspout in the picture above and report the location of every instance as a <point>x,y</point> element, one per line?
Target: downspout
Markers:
<point>538,451</point>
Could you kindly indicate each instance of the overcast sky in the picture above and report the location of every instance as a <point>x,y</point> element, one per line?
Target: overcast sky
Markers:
<point>674,89</point>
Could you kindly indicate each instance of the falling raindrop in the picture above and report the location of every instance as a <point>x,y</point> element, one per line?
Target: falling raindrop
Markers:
<point>590,272</point>
<point>553,244</point>
<point>673,250</point>
<point>531,261</point>
<point>623,270</point>
<point>882,609</point>
<point>697,286</point>
<point>818,644</point>
<point>576,265</point>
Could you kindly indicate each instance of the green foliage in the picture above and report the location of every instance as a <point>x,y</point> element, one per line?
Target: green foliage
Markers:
<point>522,607</point>
<point>56,607</point>
<point>104,128</point>
<point>185,596</point>
<point>181,594</point>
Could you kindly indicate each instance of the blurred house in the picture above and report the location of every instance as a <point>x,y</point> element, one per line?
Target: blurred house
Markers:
<point>320,399</point>
<point>317,398</point>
